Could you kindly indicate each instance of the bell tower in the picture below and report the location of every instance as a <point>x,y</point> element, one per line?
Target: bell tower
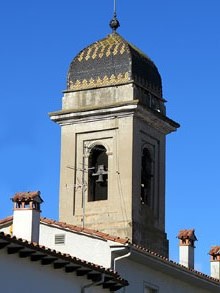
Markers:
<point>113,129</point>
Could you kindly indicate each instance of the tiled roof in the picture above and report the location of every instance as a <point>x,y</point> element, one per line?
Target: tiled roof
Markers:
<point>87,231</point>
<point>113,61</point>
<point>26,196</point>
<point>124,241</point>
<point>74,228</point>
<point>176,265</point>
<point>6,220</point>
<point>111,281</point>
<point>215,250</point>
<point>187,234</point>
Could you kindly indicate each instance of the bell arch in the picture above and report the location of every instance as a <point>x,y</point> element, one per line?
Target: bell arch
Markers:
<point>98,173</point>
<point>147,177</point>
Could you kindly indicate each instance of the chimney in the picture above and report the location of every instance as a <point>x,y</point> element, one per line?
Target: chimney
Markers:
<point>215,262</point>
<point>186,247</point>
<point>26,216</point>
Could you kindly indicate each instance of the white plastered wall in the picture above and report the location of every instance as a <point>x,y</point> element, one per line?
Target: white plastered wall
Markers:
<point>141,276</point>
<point>84,247</point>
<point>186,255</point>
<point>215,269</point>
<point>22,275</point>
<point>26,224</point>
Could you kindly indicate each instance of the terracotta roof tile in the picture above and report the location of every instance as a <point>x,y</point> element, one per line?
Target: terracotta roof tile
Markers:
<point>75,228</point>
<point>119,282</point>
<point>175,264</point>
<point>215,250</point>
<point>87,231</point>
<point>6,220</point>
<point>101,234</point>
<point>111,238</point>
<point>187,234</point>
<point>146,251</point>
<point>29,195</point>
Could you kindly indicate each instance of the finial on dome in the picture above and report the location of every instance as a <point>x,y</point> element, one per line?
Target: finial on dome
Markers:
<point>114,23</point>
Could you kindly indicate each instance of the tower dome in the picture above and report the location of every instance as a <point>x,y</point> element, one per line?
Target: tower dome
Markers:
<point>113,61</point>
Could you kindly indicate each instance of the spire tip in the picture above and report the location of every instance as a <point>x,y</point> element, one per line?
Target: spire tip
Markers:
<point>114,23</point>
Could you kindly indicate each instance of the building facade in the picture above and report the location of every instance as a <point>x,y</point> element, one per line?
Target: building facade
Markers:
<point>112,189</point>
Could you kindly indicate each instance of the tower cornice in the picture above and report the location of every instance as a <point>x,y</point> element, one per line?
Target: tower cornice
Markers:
<point>110,111</point>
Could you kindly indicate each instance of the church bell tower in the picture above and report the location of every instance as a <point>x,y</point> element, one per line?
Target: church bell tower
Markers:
<point>113,130</point>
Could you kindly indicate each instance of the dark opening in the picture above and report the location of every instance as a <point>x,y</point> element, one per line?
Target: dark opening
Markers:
<point>98,174</point>
<point>146,177</point>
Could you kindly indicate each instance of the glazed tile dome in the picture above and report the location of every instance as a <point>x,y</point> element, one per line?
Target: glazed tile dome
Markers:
<point>113,61</point>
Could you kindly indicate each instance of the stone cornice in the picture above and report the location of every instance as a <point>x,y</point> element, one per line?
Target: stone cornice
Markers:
<point>110,111</point>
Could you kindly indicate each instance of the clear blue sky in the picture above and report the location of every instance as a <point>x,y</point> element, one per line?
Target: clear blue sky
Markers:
<point>39,40</point>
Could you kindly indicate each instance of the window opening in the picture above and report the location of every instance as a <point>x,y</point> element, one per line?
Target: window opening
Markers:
<point>98,174</point>
<point>146,177</point>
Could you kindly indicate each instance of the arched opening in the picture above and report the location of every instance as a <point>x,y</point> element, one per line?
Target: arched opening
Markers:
<point>147,177</point>
<point>98,174</point>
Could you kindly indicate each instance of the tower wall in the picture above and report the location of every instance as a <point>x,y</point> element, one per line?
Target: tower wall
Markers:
<point>123,127</point>
<point>149,217</point>
<point>115,132</point>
